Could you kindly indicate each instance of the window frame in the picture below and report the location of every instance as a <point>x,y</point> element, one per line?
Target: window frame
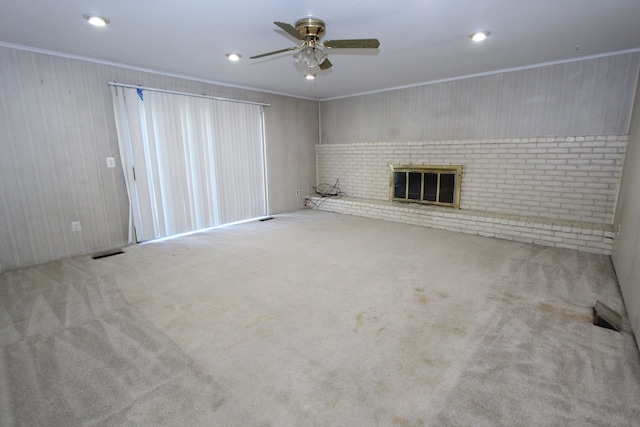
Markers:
<point>456,170</point>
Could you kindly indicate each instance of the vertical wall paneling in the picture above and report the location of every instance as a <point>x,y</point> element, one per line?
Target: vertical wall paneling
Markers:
<point>626,249</point>
<point>290,162</point>
<point>588,97</point>
<point>56,130</point>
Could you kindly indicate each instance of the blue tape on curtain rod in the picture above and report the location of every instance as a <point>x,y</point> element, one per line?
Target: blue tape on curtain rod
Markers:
<point>140,94</point>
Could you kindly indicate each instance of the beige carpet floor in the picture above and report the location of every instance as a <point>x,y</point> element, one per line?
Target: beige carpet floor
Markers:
<point>317,319</point>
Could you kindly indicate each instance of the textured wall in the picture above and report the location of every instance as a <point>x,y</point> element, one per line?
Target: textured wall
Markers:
<point>626,249</point>
<point>57,129</point>
<point>567,178</point>
<point>292,130</point>
<point>589,97</point>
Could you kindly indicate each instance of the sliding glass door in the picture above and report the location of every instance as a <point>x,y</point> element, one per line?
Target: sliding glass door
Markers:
<point>190,162</point>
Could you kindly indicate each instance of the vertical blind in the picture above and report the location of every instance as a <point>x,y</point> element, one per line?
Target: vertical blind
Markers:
<point>189,162</point>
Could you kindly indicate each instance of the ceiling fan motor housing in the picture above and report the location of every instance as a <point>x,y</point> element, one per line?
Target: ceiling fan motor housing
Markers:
<point>311,28</point>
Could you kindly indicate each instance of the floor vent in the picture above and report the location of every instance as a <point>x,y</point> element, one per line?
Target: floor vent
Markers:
<point>266,219</point>
<point>107,254</point>
<point>605,317</point>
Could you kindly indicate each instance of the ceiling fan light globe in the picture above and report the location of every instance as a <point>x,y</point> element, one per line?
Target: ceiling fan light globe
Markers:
<point>305,56</point>
<point>311,71</point>
<point>320,56</point>
<point>309,56</point>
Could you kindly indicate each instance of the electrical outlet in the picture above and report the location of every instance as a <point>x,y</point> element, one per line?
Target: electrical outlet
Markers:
<point>297,192</point>
<point>76,226</point>
<point>111,162</point>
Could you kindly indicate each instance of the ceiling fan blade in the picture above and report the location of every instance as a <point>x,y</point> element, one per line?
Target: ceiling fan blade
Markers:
<point>326,64</point>
<point>353,44</point>
<point>288,28</point>
<point>273,53</point>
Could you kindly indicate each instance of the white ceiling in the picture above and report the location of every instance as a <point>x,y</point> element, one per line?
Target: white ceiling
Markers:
<point>420,40</point>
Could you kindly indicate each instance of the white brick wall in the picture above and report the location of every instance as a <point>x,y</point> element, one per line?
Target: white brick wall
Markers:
<point>563,178</point>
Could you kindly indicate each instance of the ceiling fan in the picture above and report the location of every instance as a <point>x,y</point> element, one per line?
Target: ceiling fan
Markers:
<point>309,31</point>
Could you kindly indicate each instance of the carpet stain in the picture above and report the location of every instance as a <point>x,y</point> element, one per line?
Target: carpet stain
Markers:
<point>316,364</point>
<point>215,405</point>
<point>363,319</point>
<point>436,362</point>
<point>443,294</point>
<point>458,331</point>
<point>560,311</point>
<point>418,295</point>
<point>366,320</point>
<point>450,328</point>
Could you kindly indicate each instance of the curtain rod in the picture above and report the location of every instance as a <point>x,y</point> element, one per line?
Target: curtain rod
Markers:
<point>189,94</point>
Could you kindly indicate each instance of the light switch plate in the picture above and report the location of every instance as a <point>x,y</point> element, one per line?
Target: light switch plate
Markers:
<point>111,162</point>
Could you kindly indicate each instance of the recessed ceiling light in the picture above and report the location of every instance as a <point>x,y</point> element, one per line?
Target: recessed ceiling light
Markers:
<point>233,56</point>
<point>479,36</point>
<point>98,21</point>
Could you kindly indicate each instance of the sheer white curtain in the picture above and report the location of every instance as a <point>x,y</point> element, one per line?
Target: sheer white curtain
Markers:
<point>189,162</point>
